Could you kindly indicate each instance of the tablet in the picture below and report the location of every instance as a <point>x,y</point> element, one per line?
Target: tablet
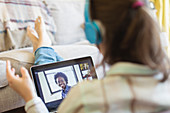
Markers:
<point>53,81</point>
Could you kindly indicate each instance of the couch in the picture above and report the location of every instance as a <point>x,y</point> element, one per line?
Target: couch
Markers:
<point>63,19</point>
<point>9,99</point>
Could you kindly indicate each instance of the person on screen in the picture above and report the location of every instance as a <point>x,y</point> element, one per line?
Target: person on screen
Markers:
<point>87,76</point>
<point>138,79</point>
<point>62,81</point>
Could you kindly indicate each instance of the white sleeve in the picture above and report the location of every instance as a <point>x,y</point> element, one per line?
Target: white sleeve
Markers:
<point>36,106</point>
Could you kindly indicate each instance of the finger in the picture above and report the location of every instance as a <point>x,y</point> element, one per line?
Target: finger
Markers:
<point>31,32</point>
<point>8,69</point>
<point>13,70</point>
<point>9,74</point>
<point>29,29</point>
<point>17,76</point>
<point>24,72</point>
<point>40,19</point>
<point>8,65</point>
<point>36,22</point>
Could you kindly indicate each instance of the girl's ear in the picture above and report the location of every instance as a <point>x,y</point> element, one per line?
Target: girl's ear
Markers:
<point>83,26</point>
<point>101,48</point>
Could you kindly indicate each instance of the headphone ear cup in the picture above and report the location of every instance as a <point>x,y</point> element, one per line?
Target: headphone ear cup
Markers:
<point>98,33</point>
<point>90,32</point>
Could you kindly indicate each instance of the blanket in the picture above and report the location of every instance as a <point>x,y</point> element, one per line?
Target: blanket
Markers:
<point>15,16</point>
<point>18,14</point>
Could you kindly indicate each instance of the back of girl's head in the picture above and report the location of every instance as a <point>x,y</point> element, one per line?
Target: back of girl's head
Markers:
<point>131,34</point>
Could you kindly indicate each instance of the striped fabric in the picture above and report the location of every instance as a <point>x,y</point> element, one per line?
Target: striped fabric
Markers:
<point>18,14</point>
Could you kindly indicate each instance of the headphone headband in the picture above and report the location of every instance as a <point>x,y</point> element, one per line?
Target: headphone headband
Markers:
<point>92,30</point>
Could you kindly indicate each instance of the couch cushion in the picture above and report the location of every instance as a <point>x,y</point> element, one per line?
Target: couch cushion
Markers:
<point>3,80</point>
<point>68,16</point>
<point>9,98</point>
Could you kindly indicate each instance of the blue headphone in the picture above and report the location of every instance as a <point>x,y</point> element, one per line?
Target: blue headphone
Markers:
<point>92,30</point>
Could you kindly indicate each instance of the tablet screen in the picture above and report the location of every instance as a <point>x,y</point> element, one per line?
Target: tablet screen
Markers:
<point>53,81</point>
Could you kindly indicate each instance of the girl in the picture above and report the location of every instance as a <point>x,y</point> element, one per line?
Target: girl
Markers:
<point>128,38</point>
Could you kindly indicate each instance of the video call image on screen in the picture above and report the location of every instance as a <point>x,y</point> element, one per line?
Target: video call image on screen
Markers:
<point>56,83</point>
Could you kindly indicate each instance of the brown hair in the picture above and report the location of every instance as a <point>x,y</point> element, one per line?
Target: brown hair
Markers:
<point>131,35</point>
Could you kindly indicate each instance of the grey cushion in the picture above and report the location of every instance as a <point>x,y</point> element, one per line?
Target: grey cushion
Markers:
<point>9,99</point>
<point>3,81</point>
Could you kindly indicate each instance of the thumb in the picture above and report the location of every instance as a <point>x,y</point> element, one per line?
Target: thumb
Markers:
<point>24,72</point>
<point>9,72</point>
